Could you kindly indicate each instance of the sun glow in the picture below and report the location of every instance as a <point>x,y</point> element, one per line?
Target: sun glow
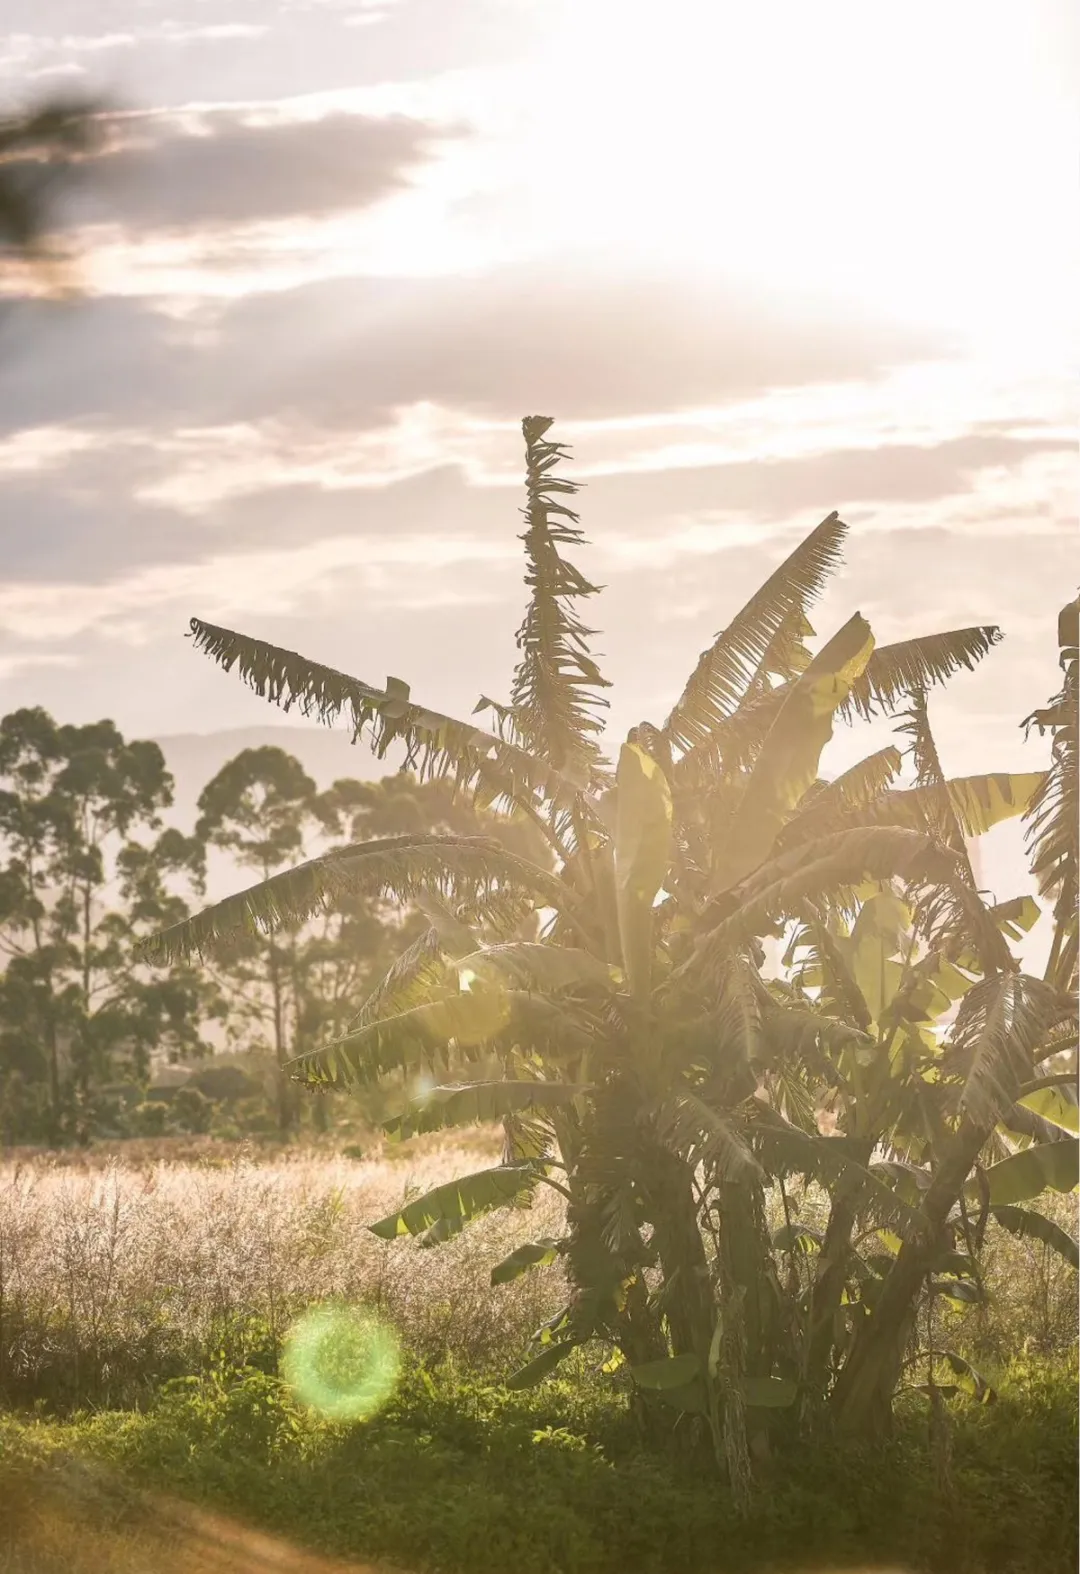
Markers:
<point>909,159</point>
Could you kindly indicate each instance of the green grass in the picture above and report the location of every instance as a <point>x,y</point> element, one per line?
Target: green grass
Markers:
<point>463,1477</point>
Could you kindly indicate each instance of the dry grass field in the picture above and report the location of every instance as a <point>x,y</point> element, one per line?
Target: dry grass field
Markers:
<point>114,1275</point>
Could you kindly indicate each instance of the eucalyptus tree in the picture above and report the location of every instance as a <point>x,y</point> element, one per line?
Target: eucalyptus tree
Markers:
<point>643,1061</point>
<point>84,870</point>
<point>298,979</point>
<point>259,808</point>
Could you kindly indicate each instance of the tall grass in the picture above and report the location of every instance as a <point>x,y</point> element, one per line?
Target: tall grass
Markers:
<point>115,1277</point>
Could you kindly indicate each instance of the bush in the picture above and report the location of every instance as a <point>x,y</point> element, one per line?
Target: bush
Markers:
<point>150,1118</point>
<point>191,1111</point>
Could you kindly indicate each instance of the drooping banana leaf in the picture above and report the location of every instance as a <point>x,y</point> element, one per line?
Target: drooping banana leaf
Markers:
<point>1000,1025</point>
<point>837,863</point>
<point>394,867</point>
<point>896,671</point>
<point>534,1254</point>
<point>541,1365</point>
<point>533,964</point>
<point>434,743</point>
<point>978,802</point>
<point>460,1201</point>
<point>1056,1103</point>
<point>1027,1224</point>
<point>474,1103</point>
<point>421,1036</point>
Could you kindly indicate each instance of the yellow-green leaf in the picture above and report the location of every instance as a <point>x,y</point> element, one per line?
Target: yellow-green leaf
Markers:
<point>1017,916</point>
<point>459,1201</point>
<point>1051,1166</point>
<point>642,856</point>
<point>1055,1104</point>
<point>534,1254</point>
<point>1025,1222</point>
<point>881,926</point>
<point>474,1103</point>
<point>672,1371</point>
<point>788,762</point>
<point>981,802</point>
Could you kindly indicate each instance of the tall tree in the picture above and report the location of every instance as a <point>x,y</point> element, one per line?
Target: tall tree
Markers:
<point>86,870</point>
<point>302,981</point>
<point>260,808</point>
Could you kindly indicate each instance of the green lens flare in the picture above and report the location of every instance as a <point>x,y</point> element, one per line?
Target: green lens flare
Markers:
<point>341,1361</point>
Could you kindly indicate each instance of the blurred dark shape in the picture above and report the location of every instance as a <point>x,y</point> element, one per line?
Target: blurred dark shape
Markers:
<point>44,152</point>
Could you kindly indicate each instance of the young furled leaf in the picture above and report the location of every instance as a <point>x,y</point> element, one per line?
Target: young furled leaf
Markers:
<point>642,857</point>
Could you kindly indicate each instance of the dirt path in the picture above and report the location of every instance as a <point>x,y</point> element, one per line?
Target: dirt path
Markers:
<point>75,1520</point>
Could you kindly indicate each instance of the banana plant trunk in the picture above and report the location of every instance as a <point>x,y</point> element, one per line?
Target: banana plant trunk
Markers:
<point>832,1276</point>
<point>862,1399</point>
<point>688,1296</point>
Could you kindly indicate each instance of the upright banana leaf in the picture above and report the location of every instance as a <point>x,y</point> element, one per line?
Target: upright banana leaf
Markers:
<point>725,671</point>
<point>883,924</point>
<point>830,805</point>
<point>788,762</point>
<point>642,857</point>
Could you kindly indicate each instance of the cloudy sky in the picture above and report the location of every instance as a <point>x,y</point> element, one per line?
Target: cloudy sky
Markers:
<point>759,261</point>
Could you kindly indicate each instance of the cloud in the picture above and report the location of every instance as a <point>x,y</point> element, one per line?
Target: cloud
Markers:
<point>97,505</point>
<point>445,620</point>
<point>576,341</point>
<point>176,57</point>
<point>420,575</point>
<point>570,341</point>
<point>230,167</point>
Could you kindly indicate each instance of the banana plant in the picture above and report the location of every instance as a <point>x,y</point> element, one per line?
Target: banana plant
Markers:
<point>639,1058</point>
<point>899,1090</point>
